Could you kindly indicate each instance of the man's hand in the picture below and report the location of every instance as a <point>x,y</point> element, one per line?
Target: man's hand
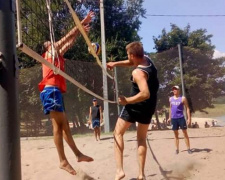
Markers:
<point>88,18</point>
<point>86,28</point>
<point>188,121</point>
<point>122,100</point>
<point>110,65</point>
<point>169,120</point>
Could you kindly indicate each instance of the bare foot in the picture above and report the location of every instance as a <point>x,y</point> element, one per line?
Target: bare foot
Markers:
<point>119,175</point>
<point>67,167</point>
<point>141,178</point>
<point>84,158</point>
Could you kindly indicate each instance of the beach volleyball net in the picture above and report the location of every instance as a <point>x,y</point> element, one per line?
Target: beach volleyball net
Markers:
<point>39,21</point>
<point>46,20</point>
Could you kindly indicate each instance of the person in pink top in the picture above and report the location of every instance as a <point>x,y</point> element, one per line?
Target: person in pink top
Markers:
<point>176,116</point>
<point>52,86</point>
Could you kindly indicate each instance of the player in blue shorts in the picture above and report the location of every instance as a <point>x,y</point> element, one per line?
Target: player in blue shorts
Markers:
<point>95,117</point>
<point>176,116</point>
<point>51,87</point>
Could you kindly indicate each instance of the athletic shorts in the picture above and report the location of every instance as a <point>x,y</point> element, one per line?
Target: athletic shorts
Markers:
<point>180,122</point>
<point>95,123</point>
<point>51,98</point>
<point>135,116</point>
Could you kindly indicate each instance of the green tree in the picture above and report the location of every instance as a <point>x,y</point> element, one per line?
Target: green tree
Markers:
<point>203,76</point>
<point>118,13</point>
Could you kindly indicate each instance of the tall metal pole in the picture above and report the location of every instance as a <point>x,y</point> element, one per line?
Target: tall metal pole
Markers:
<point>182,74</point>
<point>105,84</point>
<point>10,164</point>
<point>181,68</point>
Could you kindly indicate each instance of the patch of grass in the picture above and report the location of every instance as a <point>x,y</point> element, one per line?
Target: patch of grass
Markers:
<point>217,111</point>
<point>219,100</point>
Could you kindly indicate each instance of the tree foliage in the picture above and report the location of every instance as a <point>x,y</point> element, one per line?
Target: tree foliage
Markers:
<point>203,76</point>
<point>196,39</point>
<point>121,26</point>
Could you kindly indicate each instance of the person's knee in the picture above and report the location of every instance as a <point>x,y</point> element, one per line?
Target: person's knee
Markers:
<point>57,131</point>
<point>185,133</point>
<point>141,141</point>
<point>176,134</point>
<point>117,134</point>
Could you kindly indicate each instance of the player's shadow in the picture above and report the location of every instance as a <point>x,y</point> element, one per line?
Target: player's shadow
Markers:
<point>106,138</point>
<point>82,175</point>
<point>196,150</point>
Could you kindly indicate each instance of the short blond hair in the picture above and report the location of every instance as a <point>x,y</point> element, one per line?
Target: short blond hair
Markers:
<point>136,49</point>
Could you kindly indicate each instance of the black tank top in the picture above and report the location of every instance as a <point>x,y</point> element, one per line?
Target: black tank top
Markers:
<point>153,86</point>
<point>95,112</point>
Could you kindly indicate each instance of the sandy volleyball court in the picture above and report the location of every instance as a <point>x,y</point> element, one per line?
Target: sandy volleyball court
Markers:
<point>40,160</point>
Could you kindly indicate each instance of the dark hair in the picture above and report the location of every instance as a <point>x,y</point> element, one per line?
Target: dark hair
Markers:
<point>46,45</point>
<point>136,49</point>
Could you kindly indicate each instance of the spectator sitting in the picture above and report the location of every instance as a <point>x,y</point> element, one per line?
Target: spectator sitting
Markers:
<point>154,127</point>
<point>213,123</point>
<point>164,125</point>
<point>206,125</point>
<point>196,125</point>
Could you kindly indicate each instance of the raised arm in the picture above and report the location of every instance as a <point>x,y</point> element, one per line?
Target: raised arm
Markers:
<point>124,63</point>
<point>68,40</point>
<point>69,43</point>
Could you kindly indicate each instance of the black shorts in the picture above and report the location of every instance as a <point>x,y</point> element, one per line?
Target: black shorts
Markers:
<point>133,116</point>
<point>180,122</point>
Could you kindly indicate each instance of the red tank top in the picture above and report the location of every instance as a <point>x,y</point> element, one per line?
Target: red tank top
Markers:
<point>49,78</point>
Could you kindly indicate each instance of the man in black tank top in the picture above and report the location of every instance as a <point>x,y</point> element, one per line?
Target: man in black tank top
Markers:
<point>95,116</point>
<point>138,107</point>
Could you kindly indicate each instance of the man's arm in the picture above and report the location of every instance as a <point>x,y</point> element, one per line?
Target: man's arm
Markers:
<point>184,101</point>
<point>67,41</point>
<point>101,114</point>
<point>90,117</point>
<point>169,112</point>
<point>124,63</point>
<point>140,78</point>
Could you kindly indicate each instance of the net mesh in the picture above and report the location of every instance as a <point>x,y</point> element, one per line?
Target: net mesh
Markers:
<point>203,76</point>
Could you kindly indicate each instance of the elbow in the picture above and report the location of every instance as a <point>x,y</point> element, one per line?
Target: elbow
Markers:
<point>146,95</point>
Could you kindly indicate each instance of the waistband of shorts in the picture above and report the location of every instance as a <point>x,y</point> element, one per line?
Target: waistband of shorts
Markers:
<point>51,87</point>
<point>178,118</point>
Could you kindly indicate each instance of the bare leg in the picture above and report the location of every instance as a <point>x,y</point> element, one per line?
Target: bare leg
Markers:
<point>58,139</point>
<point>142,148</point>
<point>186,138</point>
<point>176,139</point>
<point>121,127</point>
<point>69,139</point>
<point>96,133</point>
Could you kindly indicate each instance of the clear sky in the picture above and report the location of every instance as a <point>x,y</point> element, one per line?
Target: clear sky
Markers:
<point>153,25</point>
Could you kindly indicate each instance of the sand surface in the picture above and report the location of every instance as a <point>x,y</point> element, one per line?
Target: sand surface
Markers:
<point>207,162</point>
